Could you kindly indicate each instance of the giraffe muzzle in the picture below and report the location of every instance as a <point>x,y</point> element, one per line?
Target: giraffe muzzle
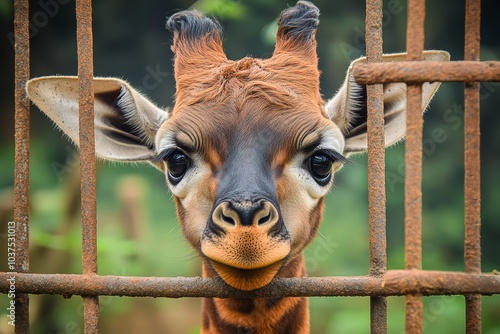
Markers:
<point>248,244</point>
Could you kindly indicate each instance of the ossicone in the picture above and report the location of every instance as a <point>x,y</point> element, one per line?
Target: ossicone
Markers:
<point>297,27</point>
<point>197,46</point>
<point>192,24</point>
<point>196,35</point>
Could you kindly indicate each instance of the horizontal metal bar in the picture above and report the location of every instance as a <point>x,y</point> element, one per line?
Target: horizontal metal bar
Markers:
<point>417,72</point>
<point>393,283</point>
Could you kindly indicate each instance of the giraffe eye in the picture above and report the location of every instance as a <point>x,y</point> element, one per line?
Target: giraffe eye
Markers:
<point>320,167</point>
<point>177,165</point>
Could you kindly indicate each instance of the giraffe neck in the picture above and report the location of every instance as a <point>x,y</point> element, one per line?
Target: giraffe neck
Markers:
<point>260,315</point>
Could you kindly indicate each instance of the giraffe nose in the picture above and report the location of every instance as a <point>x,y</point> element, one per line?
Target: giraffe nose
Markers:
<point>260,214</point>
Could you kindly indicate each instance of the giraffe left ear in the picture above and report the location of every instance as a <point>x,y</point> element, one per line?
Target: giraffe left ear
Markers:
<point>125,121</point>
<point>347,109</point>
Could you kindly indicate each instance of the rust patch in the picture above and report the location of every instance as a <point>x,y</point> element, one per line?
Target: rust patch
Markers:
<point>376,144</point>
<point>378,315</point>
<point>376,165</point>
<point>22,138</point>
<point>414,310</point>
<point>22,161</point>
<point>429,71</point>
<point>392,283</point>
<point>472,313</point>
<point>87,157</point>
<point>91,314</point>
<point>472,164</point>
<point>413,162</point>
<point>86,132</point>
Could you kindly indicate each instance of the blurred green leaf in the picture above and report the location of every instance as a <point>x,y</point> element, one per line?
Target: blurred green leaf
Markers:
<point>229,9</point>
<point>268,32</point>
<point>6,8</point>
<point>116,245</point>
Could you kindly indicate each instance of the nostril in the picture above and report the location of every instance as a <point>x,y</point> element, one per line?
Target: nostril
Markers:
<point>264,219</point>
<point>224,216</point>
<point>267,216</point>
<point>228,219</point>
<point>229,215</point>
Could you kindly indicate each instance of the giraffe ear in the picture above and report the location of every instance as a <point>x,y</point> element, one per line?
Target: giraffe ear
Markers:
<point>348,110</point>
<point>125,121</point>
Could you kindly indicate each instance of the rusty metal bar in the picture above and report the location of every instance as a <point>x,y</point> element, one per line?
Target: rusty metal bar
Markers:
<point>392,283</point>
<point>376,166</point>
<point>413,161</point>
<point>86,140</point>
<point>87,161</point>
<point>472,162</point>
<point>429,71</point>
<point>376,143</point>
<point>22,161</point>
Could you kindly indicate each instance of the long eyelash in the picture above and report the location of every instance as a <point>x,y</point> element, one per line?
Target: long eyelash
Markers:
<point>164,154</point>
<point>335,156</point>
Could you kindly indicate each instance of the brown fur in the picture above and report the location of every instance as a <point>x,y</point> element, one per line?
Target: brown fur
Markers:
<point>264,316</point>
<point>204,74</point>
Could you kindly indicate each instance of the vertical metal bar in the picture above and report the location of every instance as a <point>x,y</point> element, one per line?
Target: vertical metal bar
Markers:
<point>413,160</point>
<point>472,165</point>
<point>376,166</point>
<point>88,161</point>
<point>22,142</point>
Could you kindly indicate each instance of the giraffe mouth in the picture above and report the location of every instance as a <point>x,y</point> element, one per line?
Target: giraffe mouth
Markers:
<point>246,279</point>
<point>246,257</point>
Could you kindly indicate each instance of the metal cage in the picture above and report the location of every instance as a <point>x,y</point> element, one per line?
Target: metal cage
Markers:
<point>412,282</point>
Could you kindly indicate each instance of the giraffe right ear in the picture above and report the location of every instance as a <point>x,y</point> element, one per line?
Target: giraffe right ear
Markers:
<point>347,109</point>
<point>125,121</point>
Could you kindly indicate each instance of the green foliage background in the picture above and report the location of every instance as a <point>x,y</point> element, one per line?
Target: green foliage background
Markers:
<point>144,238</point>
